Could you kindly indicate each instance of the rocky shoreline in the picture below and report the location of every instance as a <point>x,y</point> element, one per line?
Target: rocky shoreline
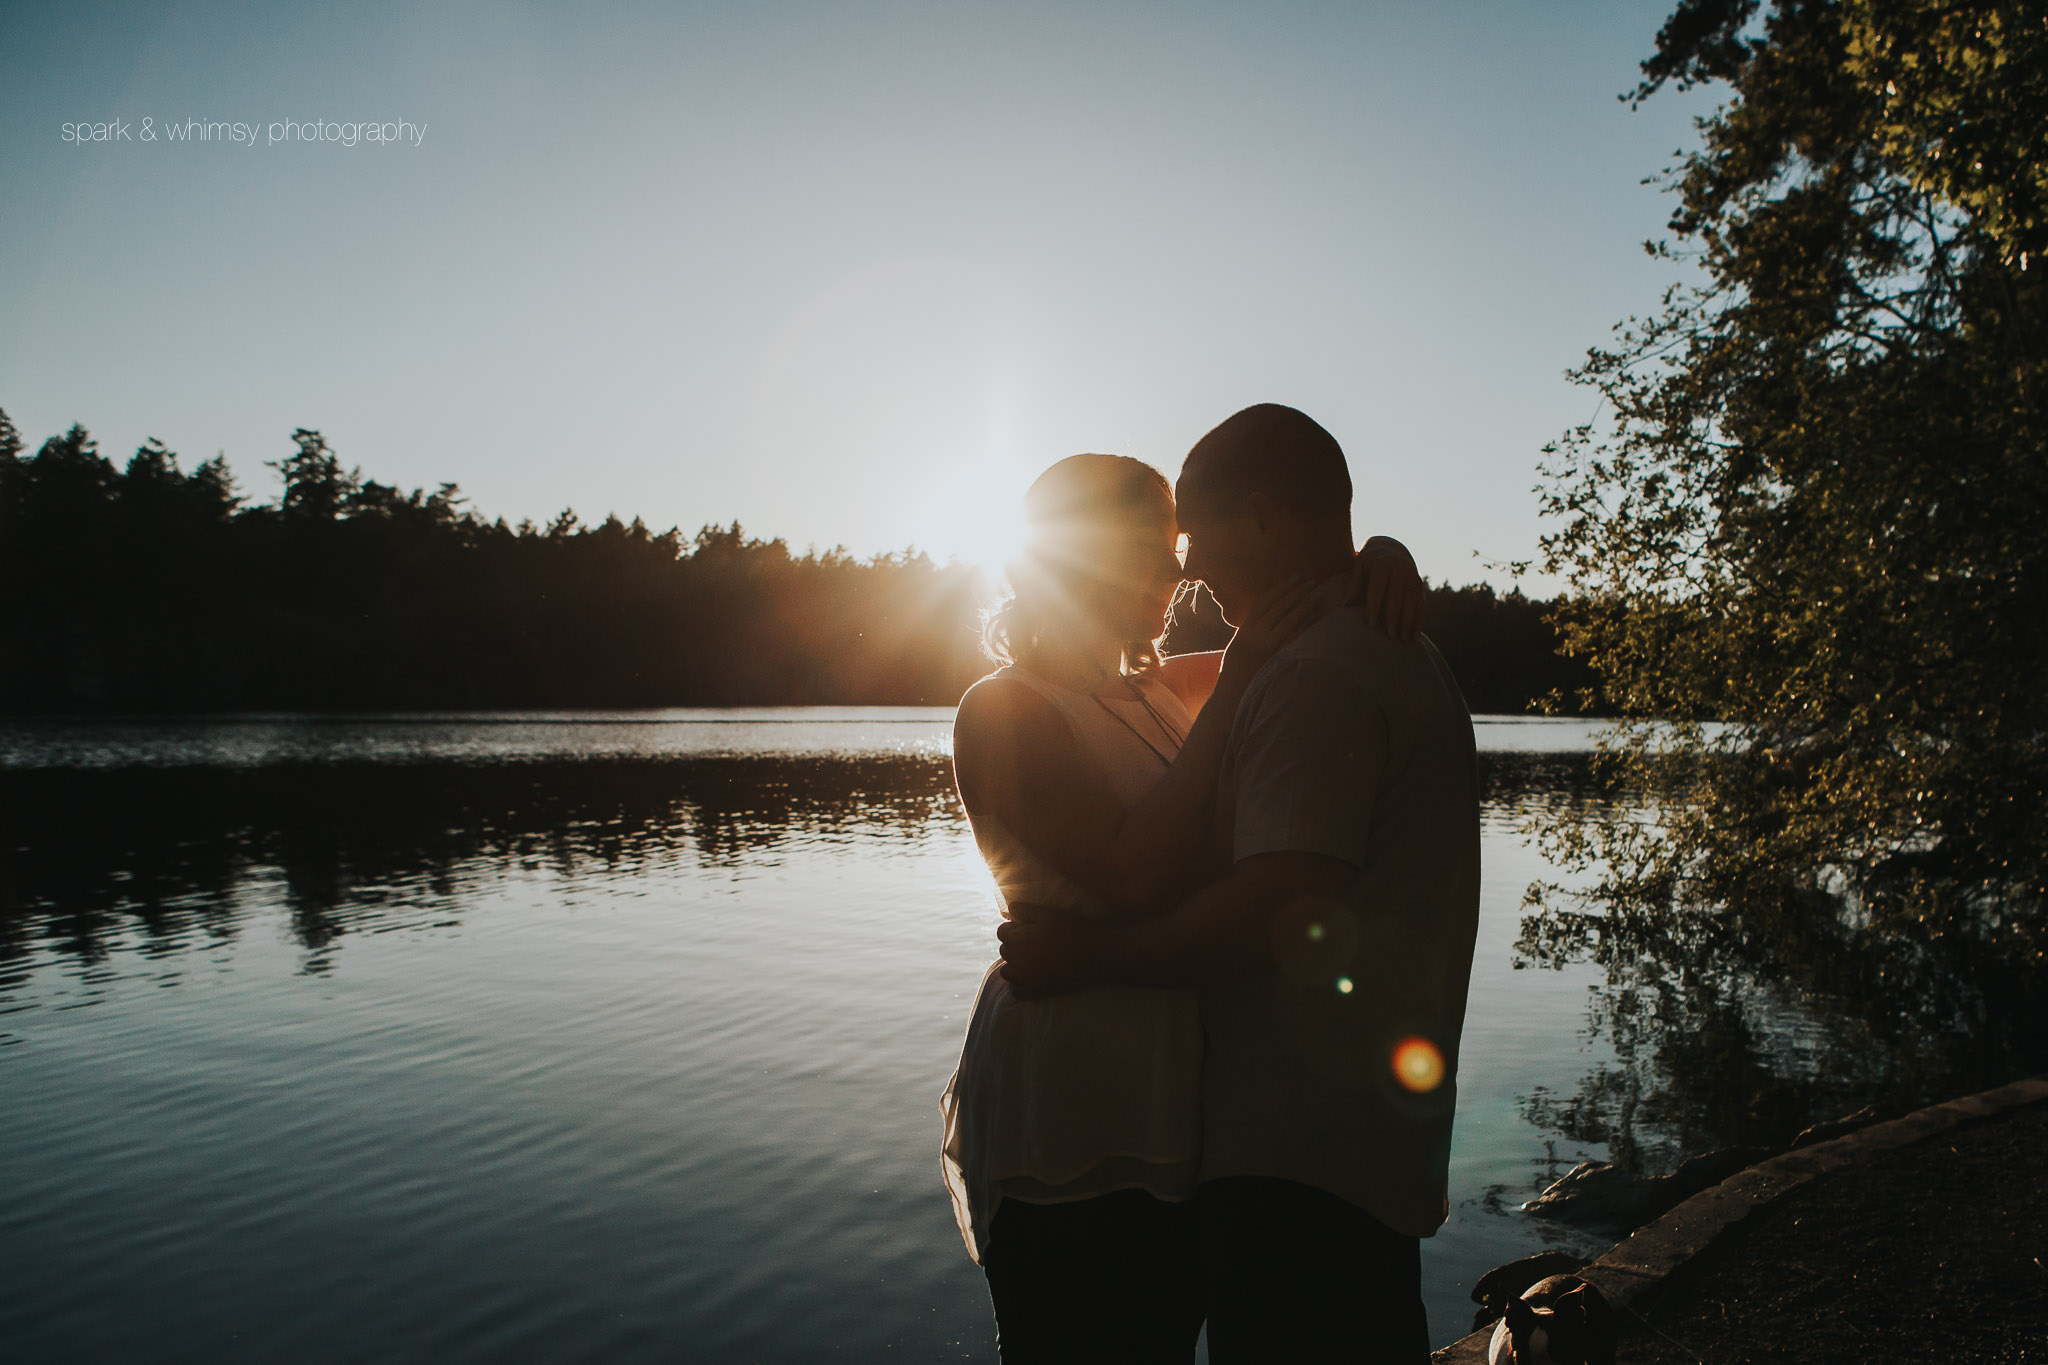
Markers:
<point>1725,1230</point>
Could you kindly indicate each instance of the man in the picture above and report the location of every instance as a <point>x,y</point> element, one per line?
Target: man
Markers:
<point>1335,953</point>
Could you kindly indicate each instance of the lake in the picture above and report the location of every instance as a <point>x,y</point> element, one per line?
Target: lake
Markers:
<point>561,1037</point>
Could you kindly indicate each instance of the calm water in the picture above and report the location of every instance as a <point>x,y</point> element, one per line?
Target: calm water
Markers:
<point>541,1037</point>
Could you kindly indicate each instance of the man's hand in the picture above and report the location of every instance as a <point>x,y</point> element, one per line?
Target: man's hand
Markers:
<point>1046,953</point>
<point>1224,933</point>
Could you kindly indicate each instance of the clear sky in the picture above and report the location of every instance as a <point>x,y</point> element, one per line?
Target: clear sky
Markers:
<point>850,273</point>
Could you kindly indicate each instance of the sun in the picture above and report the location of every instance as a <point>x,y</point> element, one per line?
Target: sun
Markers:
<point>978,513</point>
<point>901,407</point>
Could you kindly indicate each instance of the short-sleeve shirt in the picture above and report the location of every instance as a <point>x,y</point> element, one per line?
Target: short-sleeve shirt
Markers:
<point>1337,1069</point>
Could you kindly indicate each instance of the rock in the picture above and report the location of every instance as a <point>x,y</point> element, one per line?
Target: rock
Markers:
<point>1711,1168</point>
<point>1841,1127</point>
<point>1595,1194</point>
<point>1505,1282</point>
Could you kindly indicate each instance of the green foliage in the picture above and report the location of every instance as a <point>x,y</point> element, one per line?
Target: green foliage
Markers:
<point>1964,88</point>
<point>1808,543</point>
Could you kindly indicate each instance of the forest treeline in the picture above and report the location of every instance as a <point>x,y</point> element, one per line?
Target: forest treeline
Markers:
<point>148,588</point>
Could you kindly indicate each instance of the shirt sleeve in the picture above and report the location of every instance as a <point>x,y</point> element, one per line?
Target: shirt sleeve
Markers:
<point>1310,757</point>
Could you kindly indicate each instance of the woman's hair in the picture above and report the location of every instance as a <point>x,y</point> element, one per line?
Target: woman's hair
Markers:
<point>1071,511</point>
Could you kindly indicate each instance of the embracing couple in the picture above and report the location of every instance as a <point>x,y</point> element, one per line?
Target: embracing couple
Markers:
<point>1213,1076</point>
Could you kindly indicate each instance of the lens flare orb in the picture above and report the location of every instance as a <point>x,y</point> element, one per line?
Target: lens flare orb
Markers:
<point>1418,1065</point>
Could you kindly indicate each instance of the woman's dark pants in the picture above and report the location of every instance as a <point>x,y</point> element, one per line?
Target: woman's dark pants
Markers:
<point>1114,1278</point>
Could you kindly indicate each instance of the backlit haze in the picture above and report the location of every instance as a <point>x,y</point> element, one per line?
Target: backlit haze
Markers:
<point>847,273</point>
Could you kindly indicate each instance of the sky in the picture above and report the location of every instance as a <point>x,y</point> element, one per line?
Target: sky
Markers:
<point>847,273</point>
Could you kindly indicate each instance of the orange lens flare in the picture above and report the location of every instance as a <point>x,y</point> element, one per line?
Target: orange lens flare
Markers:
<point>1418,1065</point>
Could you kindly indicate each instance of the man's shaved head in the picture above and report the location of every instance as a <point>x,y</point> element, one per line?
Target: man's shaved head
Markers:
<point>1272,449</point>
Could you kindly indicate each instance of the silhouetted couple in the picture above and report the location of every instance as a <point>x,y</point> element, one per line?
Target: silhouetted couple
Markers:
<point>1213,1075</point>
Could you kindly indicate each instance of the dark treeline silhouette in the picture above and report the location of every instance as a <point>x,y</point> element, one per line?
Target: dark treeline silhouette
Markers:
<point>152,589</point>
<point>1503,650</point>
<point>1501,647</point>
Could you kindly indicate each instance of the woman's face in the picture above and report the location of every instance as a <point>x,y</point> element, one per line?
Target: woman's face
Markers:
<point>1133,577</point>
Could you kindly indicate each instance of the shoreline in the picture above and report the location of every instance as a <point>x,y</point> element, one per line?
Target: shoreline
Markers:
<point>1683,1243</point>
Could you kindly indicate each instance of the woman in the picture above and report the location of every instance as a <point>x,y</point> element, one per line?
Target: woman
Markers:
<point>1087,767</point>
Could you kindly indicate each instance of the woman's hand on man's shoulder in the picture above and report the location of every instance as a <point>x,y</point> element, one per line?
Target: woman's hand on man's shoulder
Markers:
<point>1388,588</point>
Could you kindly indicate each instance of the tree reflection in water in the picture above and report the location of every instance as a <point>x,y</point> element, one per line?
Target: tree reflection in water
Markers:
<point>1735,1025</point>
<point>1744,1020</point>
<point>89,855</point>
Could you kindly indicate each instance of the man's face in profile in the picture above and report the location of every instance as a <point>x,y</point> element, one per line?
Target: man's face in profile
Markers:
<point>1226,552</point>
